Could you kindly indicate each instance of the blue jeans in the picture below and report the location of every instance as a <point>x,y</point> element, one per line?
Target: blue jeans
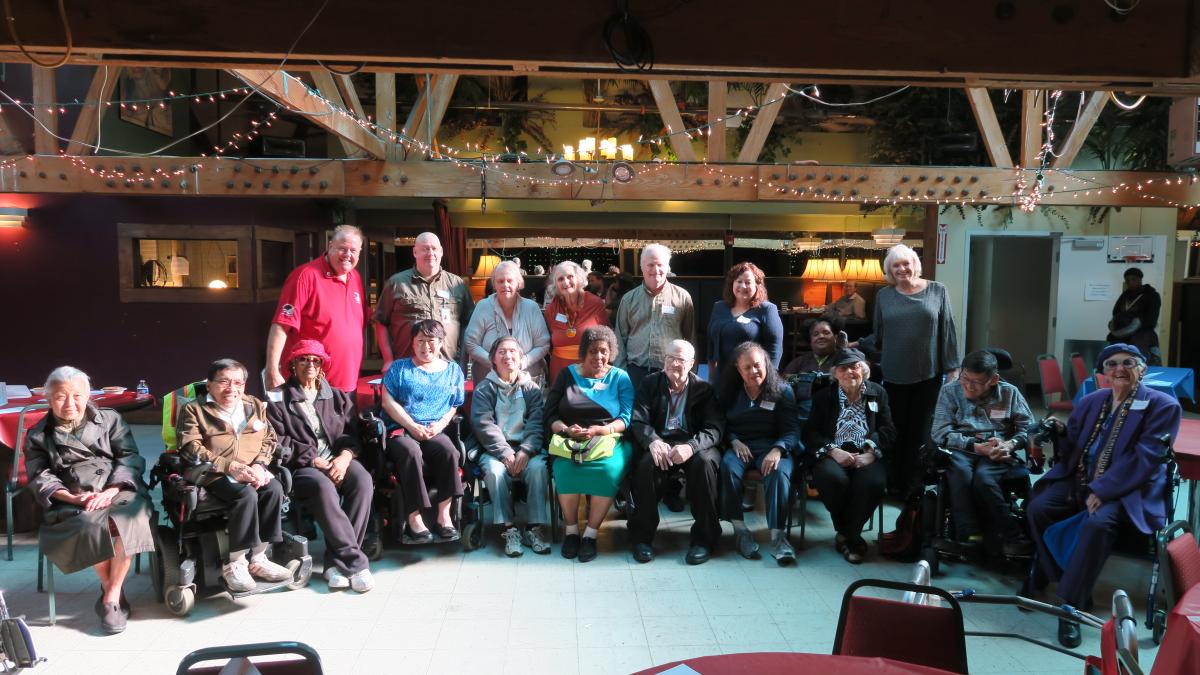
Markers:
<point>499,486</point>
<point>777,486</point>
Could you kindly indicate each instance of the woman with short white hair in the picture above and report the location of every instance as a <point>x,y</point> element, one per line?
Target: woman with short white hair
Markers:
<point>918,341</point>
<point>505,313</point>
<point>571,310</point>
<point>85,471</point>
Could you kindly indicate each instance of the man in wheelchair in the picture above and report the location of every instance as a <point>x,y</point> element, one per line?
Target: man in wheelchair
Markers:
<point>983,421</point>
<point>229,431</point>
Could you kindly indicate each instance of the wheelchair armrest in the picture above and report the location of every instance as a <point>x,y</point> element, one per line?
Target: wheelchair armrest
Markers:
<point>193,473</point>
<point>284,475</point>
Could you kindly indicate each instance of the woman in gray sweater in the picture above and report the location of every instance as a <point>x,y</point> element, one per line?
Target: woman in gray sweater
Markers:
<point>506,416</point>
<point>915,334</point>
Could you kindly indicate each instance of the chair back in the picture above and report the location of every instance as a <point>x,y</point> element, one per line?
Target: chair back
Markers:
<point>878,627</point>
<point>172,404</point>
<point>1183,558</point>
<point>1124,637</point>
<point>1079,367</point>
<point>309,662</point>
<point>1052,381</point>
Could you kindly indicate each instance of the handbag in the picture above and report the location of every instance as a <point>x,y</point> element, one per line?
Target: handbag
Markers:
<point>596,447</point>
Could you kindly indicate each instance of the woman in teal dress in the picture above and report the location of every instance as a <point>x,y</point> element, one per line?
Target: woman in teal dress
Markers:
<point>589,407</point>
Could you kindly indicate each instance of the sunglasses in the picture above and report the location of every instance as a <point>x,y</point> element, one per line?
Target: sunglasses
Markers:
<point>309,360</point>
<point>1114,363</point>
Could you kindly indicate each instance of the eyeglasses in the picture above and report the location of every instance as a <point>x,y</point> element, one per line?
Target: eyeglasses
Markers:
<point>226,382</point>
<point>974,384</point>
<point>676,359</point>
<point>309,360</point>
<point>1114,363</point>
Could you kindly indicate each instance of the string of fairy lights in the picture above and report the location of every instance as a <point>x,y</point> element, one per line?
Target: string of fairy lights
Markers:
<point>1027,191</point>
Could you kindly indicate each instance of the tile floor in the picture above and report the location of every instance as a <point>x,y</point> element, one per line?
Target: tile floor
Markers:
<point>438,610</point>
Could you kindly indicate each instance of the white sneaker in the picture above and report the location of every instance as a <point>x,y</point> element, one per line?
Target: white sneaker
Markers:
<point>362,581</point>
<point>336,579</point>
<point>266,570</point>
<point>512,542</point>
<point>534,540</point>
<point>237,576</point>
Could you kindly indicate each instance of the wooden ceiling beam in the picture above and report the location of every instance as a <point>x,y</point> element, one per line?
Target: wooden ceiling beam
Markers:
<point>45,122</point>
<point>293,94</point>
<point>320,178</point>
<point>668,109</point>
<point>87,125</point>
<point>763,121</point>
<point>1080,130</point>
<point>327,87</point>
<point>989,127</point>
<point>718,91</point>
<point>1033,106</point>
<point>426,115</point>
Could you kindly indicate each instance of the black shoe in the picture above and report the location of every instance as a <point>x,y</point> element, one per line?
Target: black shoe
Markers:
<point>411,536</point>
<point>445,532</point>
<point>587,549</point>
<point>113,620</point>
<point>124,605</point>
<point>697,555</point>
<point>570,546</point>
<point>643,553</point>
<point>1068,633</point>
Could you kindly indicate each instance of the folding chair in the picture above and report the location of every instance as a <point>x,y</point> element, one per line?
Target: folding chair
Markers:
<point>239,657</point>
<point>1052,383</point>
<point>11,488</point>
<point>921,634</point>
<point>1080,369</point>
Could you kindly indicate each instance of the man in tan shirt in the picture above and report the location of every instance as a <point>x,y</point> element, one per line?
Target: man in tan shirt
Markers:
<point>651,316</point>
<point>424,292</point>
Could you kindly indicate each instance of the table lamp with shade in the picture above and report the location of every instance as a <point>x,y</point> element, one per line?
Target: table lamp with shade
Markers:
<point>824,270</point>
<point>483,272</point>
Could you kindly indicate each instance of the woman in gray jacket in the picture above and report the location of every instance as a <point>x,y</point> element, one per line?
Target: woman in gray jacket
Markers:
<point>85,470</point>
<point>506,416</point>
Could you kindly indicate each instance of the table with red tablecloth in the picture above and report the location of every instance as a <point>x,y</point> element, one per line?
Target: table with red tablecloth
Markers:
<point>1180,649</point>
<point>767,663</point>
<point>369,393</point>
<point>1187,457</point>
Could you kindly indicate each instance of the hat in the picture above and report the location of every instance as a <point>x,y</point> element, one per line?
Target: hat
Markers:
<point>845,357</point>
<point>1116,348</point>
<point>310,348</point>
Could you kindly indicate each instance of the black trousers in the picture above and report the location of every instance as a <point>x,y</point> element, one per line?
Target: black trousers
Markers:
<point>342,511</point>
<point>912,411</point>
<point>1060,500</point>
<point>413,458</point>
<point>648,483</point>
<point>851,495</point>
<point>254,515</point>
<point>974,483</point>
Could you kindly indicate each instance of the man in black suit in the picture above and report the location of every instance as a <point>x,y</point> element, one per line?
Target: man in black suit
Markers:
<point>678,427</point>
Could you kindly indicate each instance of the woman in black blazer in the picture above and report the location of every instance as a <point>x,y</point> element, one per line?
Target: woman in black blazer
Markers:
<point>849,432</point>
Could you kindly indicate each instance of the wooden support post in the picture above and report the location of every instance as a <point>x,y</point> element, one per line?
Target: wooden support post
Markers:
<point>1079,132</point>
<point>669,110</point>
<point>763,123</point>
<point>426,115</point>
<point>87,126</point>
<point>349,94</point>
<point>385,109</point>
<point>989,127</point>
<point>45,126</point>
<point>1033,102</point>
<point>929,243</point>
<point>327,87</point>
<point>717,91</point>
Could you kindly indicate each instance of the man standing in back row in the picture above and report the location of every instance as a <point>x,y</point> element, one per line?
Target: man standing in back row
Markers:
<point>322,300</point>
<point>424,292</point>
<point>651,316</point>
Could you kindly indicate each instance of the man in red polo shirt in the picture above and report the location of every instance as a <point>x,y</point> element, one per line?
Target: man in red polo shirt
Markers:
<point>323,300</point>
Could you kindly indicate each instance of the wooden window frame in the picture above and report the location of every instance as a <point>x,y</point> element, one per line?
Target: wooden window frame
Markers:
<point>243,234</point>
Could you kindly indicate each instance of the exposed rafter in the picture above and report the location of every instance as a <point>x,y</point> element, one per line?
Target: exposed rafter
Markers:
<point>1082,127</point>
<point>294,95</point>
<point>45,125</point>
<point>327,87</point>
<point>664,98</point>
<point>426,115</point>
<point>1033,106</point>
<point>717,91</point>
<point>763,121</point>
<point>87,126</point>
<point>989,127</point>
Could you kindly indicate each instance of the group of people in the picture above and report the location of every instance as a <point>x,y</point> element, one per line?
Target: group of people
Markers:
<point>557,389</point>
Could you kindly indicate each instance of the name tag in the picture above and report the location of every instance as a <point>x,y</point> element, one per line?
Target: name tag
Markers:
<point>743,319</point>
<point>997,414</point>
<point>443,293</point>
<point>767,405</point>
<point>1139,405</point>
<point>600,386</point>
<point>668,310</point>
<point>560,317</point>
<point>873,406</point>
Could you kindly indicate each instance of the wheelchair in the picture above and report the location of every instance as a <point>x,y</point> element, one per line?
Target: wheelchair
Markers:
<point>476,498</point>
<point>192,546</point>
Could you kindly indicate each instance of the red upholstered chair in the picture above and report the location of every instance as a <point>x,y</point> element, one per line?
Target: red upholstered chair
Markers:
<point>1079,368</point>
<point>1179,558</point>
<point>926,635</point>
<point>1052,383</point>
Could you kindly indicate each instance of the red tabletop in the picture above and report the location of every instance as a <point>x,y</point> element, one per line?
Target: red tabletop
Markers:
<point>1187,449</point>
<point>1180,649</point>
<point>370,387</point>
<point>766,663</point>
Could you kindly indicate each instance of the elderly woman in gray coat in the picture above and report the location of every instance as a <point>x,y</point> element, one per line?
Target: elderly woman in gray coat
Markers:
<point>85,471</point>
<point>506,416</point>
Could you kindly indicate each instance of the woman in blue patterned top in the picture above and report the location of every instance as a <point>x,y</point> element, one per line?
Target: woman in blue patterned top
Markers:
<point>589,408</point>
<point>762,429</point>
<point>421,394</point>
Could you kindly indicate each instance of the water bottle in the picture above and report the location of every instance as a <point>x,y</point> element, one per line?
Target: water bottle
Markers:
<point>142,388</point>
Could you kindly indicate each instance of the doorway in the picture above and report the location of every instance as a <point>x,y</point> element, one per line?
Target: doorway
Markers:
<point>1009,300</point>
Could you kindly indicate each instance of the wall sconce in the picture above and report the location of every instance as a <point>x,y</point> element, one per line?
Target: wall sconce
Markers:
<point>12,216</point>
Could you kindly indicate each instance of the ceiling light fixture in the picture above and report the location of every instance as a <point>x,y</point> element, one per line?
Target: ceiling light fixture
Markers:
<point>623,172</point>
<point>887,236</point>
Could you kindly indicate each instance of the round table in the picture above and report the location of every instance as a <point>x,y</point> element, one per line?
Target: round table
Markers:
<point>766,663</point>
<point>1180,649</point>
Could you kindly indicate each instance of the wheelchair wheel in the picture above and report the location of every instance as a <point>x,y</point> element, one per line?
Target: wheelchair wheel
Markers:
<point>180,599</point>
<point>164,561</point>
<point>472,536</point>
<point>300,575</point>
<point>373,541</point>
<point>1160,626</point>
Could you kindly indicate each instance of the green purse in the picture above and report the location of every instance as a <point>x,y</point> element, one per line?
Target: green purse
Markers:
<point>597,447</point>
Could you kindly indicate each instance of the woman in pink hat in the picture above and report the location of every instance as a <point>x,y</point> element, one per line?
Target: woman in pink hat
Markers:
<point>318,439</point>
